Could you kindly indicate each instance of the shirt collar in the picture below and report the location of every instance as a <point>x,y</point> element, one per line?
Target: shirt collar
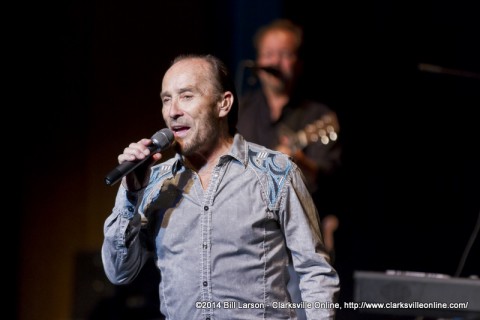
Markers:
<point>238,151</point>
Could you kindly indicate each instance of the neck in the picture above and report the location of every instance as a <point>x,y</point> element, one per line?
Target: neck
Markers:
<point>205,161</point>
<point>276,101</point>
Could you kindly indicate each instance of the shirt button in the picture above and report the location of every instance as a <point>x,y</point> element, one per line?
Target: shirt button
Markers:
<point>205,246</point>
<point>205,208</point>
<point>207,318</point>
<point>130,209</point>
<point>205,283</point>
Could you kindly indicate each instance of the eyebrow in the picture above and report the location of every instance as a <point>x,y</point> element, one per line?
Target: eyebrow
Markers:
<point>180,91</point>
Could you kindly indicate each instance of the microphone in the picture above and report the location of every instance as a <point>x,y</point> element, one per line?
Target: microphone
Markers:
<point>161,141</point>
<point>272,70</point>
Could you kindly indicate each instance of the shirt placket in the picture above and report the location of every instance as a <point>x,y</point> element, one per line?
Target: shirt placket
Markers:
<point>206,220</point>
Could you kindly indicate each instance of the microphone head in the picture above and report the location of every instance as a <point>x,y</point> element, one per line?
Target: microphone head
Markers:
<point>269,69</point>
<point>273,71</point>
<point>163,139</point>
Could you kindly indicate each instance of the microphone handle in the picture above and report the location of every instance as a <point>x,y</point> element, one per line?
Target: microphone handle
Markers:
<point>126,167</point>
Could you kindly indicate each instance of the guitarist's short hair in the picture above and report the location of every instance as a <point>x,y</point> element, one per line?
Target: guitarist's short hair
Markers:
<point>284,25</point>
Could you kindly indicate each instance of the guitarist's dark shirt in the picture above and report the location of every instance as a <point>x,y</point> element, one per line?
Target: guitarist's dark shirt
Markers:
<point>255,125</point>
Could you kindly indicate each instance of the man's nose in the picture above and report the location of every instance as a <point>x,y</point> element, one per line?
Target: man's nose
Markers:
<point>175,110</point>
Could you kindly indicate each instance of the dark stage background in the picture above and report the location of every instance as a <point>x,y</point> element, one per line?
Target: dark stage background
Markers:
<point>408,193</point>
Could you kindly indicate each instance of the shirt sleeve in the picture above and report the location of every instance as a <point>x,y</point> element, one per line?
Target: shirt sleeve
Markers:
<point>123,251</point>
<point>319,281</point>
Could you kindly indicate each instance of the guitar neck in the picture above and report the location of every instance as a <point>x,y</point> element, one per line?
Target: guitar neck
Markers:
<point>323,129</point>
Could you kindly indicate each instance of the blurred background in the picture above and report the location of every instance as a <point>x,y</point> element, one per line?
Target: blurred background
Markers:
<point>408,194</point>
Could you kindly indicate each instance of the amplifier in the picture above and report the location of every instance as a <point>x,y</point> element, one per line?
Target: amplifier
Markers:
<point>416,294</point>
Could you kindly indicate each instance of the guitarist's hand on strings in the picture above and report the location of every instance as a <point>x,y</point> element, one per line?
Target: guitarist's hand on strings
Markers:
<point>287,146</point>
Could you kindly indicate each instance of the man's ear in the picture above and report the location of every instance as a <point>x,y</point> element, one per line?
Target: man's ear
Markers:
<point>225,105</point>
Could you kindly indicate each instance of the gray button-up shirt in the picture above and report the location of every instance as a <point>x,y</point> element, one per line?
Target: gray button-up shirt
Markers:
<point>223,252</point>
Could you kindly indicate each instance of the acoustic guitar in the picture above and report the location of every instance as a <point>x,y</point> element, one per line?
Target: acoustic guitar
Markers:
<point>324,129</point>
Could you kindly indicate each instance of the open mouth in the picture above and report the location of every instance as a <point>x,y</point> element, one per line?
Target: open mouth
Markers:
<point>180,131</point>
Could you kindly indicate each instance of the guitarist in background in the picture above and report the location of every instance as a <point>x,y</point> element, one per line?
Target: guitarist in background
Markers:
<point>273,113</point>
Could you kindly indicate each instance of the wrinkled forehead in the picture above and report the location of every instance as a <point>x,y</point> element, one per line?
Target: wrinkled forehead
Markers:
<point>187,73</point>
<point>278,39</point>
